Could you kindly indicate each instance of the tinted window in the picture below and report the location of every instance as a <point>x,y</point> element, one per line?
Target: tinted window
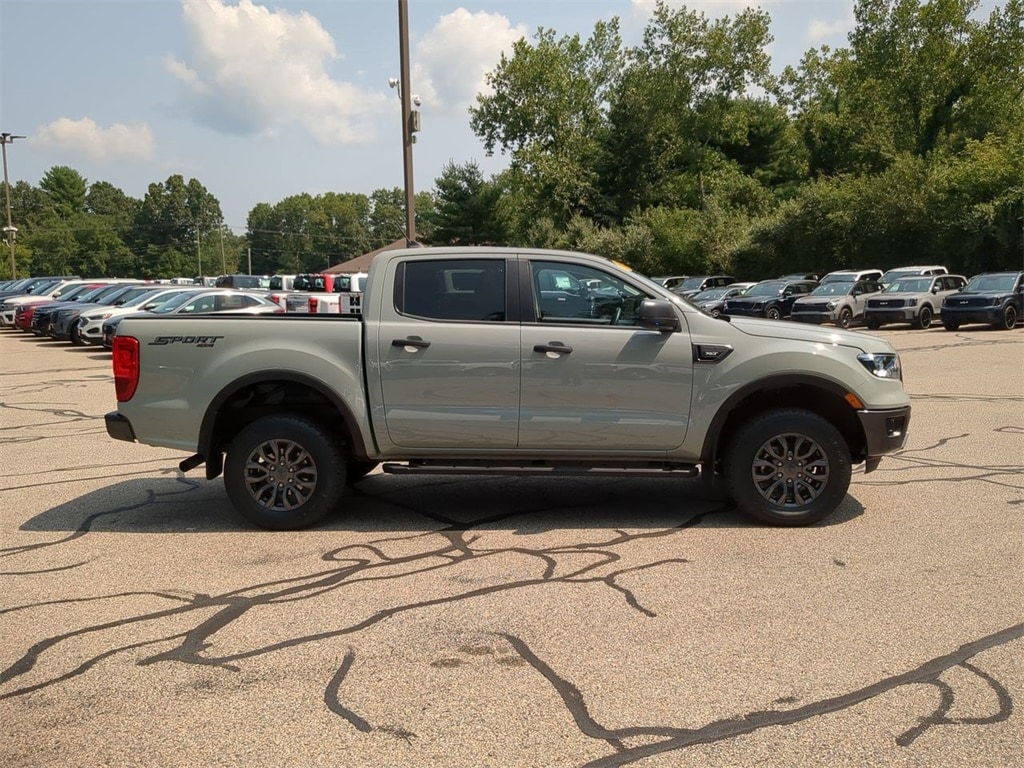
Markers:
<point>463,289</point>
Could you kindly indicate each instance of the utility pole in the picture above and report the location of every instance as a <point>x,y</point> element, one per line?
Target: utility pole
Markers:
<point>10,231</point>
<point>407,119</point>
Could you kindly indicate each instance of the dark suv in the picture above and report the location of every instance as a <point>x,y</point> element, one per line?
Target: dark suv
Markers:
<point>691,286</point>
<point>995,298</point>
<point>772,299</point>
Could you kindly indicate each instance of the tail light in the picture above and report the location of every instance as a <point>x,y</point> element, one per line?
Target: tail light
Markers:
<point>126,367</point>
<point>313,304</point>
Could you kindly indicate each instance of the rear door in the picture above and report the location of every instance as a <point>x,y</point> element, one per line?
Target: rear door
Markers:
<point>448,354</point>
<point>592,379</point>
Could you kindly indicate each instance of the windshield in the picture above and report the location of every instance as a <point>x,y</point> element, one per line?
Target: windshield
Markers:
<point>769,288</point>
<point>985,283</point>
<point>114,295</point>
<point>847,277</point>
<point>835,288</point>
<point>896,274</point>
<point>69,293</point>
<point>170,305</point>
<point>690,283</point>
<point>134,296</point>
<point>911,285</point>
<point>710,294</point>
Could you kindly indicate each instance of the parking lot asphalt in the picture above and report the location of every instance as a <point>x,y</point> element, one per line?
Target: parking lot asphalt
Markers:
<point>447,621</point>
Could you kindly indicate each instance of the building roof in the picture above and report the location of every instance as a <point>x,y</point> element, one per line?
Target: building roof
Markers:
<point>362,263</point>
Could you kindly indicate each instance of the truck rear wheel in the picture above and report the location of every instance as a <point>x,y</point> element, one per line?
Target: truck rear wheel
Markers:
<point>788,467</point>
<point>284,472</point>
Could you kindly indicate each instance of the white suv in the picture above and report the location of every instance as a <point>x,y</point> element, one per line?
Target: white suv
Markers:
<point>895,274</point>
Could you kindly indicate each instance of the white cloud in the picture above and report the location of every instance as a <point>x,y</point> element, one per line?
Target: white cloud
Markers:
<point>452,60</point>
<point>820,31</point>
<point>255,70</point>
<point>84,138</point>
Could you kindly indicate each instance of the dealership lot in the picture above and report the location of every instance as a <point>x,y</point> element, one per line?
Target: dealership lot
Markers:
<point>513,622</point>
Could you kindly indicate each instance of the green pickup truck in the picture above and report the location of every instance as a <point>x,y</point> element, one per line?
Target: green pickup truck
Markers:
<point>510,361</point>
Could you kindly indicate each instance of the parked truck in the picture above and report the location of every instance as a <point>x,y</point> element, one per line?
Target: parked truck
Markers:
<point>510,361</point>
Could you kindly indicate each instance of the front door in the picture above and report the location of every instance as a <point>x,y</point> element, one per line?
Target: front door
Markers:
<point>592,379</point>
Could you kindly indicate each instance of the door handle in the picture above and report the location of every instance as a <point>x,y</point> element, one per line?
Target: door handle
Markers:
<point>411,341</point>
<point>552,346</point>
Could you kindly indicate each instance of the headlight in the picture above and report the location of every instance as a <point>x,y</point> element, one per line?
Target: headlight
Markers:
<point>911,302</point>
<point>996,302</point>
<point>759,305</point>
<point>832,304</point>
<point>885,365</point>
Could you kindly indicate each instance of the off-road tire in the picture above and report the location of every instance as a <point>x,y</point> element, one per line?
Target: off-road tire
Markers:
<point>872,325</point>
<point>284,472</point>
<point>951,325</point>
<point>845,319</point>
<point>788,467</point>
<point>773,313</point>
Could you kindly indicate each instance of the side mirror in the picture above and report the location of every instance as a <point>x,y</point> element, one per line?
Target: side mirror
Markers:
<point>658,315</point>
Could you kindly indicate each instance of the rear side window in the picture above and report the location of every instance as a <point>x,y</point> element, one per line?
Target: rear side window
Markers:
<point>470,290</point>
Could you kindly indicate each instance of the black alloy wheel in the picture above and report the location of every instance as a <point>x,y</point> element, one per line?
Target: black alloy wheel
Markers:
<point>284,472</point>
<point>788,467</point>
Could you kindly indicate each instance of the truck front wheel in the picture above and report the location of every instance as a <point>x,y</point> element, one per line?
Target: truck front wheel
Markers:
<point>284,472</point>
<point>788,467</point>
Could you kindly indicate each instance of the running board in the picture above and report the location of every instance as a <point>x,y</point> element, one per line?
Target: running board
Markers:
<point>645,469</point>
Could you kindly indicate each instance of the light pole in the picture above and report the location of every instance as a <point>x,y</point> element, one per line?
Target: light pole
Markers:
<point>408,127</point>
<point>10,231</point>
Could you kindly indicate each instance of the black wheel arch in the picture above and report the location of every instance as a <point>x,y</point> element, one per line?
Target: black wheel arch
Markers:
<point>273,392</point>
<point>816,394</point>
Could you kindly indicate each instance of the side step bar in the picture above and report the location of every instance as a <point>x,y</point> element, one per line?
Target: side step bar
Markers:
<point>639,469</point>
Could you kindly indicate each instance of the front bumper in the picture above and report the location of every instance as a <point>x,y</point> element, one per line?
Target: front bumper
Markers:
<point>906,315</point>
<point>118,427</point>
<point>884,432</point>
<point>973,315</point>
<point>813,317</point>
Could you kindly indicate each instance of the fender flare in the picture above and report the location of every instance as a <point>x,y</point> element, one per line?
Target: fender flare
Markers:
<point>204,448</point>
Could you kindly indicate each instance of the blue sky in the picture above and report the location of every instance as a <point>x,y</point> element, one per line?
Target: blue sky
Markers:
<point>259,101</point>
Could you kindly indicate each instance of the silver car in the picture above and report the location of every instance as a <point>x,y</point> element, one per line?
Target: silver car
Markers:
<point>839,302</point>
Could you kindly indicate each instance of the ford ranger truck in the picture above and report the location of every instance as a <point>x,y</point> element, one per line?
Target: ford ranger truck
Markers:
<point>510,361</point>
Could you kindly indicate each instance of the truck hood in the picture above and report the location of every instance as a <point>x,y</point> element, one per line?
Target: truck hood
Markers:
<point>814,334</point>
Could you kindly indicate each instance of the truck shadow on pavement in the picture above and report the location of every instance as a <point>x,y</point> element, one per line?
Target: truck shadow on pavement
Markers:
<point>386,503</point>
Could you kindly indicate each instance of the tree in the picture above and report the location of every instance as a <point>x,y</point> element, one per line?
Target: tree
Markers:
<point>66,189</point>
<point>467,212</point>
<point>674,106</point>
<point>105,200</point>
<point>548,113</point>
<point>173,217</point>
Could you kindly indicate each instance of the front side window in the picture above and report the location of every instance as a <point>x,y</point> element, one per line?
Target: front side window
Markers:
<point>470,290</point>
<point>575,294</point>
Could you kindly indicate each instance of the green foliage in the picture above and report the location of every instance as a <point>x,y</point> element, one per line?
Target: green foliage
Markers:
<point>547,111</point>
<point>467,208</point>
<point>65,188</point>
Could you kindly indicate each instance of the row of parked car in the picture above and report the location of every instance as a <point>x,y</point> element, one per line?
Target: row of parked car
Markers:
<point>84,311</point>
<point>914,295</point>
